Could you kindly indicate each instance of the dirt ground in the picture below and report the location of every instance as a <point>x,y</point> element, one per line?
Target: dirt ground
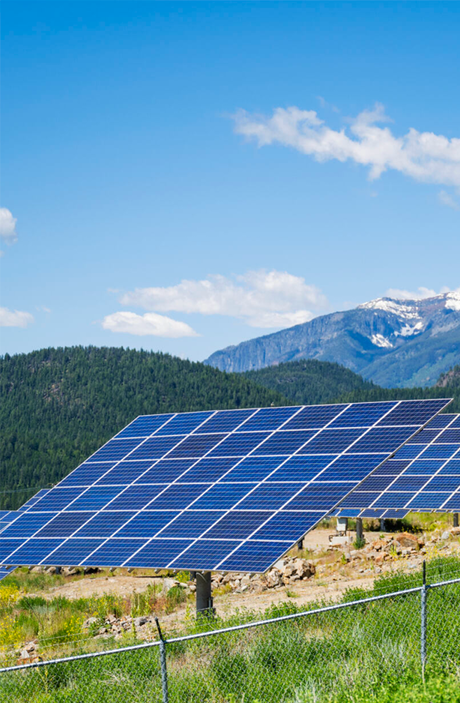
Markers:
<point>302,592</point>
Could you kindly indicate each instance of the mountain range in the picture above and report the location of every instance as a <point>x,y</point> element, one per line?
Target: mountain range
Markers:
<point>394,343</point>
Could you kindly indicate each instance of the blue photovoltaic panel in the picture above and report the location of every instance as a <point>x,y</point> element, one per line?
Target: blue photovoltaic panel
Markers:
<point>8,516</point>
<point>423,476</point>
<point>223,490</point>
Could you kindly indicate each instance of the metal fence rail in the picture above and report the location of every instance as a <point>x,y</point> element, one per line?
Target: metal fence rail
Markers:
<point>296,657</point>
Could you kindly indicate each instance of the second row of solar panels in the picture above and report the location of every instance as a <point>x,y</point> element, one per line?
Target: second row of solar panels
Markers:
<point>423,476</point>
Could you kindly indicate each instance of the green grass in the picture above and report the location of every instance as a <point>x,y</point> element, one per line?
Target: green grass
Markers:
<point>366,652</point>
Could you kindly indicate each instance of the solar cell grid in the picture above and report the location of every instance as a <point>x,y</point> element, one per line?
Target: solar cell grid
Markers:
<point>144,426</point>
<point>426,479</point>
<point>235,492</point>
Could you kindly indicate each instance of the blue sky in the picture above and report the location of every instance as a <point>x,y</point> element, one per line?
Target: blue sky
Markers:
<point>158,191</point>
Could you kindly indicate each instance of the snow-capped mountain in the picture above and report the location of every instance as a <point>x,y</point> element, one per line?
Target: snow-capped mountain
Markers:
<point>391,342</point>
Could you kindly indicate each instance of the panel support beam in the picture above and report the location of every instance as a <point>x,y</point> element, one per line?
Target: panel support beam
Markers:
<point>204,602</point>
<point>359,529</point>
<point>455,520</point>
<point>383,527</point>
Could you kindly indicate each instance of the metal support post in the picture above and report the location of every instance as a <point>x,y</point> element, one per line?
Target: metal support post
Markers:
<point>164,671</point>
<point>383,527</point>
<point>359,529</point>
<point>455,520</point>
<point>204,603</point>
<point>423,594</point>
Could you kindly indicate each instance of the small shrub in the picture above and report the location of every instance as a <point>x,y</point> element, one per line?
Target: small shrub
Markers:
<point>174,597</point>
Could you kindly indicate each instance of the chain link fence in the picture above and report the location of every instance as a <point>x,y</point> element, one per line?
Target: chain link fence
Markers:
<point>406,628</point>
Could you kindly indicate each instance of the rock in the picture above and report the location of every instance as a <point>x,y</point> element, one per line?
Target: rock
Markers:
<point>405,539</point>
<point>279,564</point>
<point>89,622</point>
<point>169,583</point>
<point>455,531</point>
<point>445,535</point>
<point>273,579</point>
<point>140,621</point>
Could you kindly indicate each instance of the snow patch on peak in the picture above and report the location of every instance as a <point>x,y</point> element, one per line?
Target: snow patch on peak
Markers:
<point>394,307</point>
<point>409,330</point>
<point>380,341</point>
<point>453,300</point>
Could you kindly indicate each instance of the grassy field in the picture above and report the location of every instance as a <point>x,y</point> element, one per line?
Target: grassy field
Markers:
<point>56,624</point>
<point>363,653</point>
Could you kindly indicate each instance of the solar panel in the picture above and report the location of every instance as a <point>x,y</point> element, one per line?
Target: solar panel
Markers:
<point>223,490</point>
<point>422,476</point>
<point>7,516</point>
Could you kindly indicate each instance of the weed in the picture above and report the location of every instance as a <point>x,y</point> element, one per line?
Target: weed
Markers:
<point>290,593</point>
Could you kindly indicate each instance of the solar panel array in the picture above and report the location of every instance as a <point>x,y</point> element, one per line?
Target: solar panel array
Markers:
<point>423,476</point>
<point>228,490</point>
<point>7,516</point>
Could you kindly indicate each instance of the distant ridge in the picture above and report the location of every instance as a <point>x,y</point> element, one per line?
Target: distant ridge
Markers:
<point>394,343</point>
<point>309,382</point>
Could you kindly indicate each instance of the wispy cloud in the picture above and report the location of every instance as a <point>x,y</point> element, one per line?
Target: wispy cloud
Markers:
<point>448,200</point>
<point>15,318</point>
<point>8,226</point>
<point>261,298</point>
<point>418,294</point>
<point>423,156</point>
<point>324,104</point>
<point>148,324</point>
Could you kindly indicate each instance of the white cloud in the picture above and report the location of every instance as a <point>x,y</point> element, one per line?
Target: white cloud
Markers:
<point>418,294</point>
<point>7,226</point>
<point>15,318</point>
<point>448,200</point>
<point>148,324</point>
<point>423,156</point>
<point>260,298</point>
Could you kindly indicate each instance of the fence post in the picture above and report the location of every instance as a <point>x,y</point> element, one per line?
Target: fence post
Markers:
<point>164,671</point>
<point>423,595</point>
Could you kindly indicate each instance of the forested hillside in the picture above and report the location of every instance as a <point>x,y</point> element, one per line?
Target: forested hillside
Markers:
<point>59,405</point>
<point>451,378</point>
<point>312,381</point>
